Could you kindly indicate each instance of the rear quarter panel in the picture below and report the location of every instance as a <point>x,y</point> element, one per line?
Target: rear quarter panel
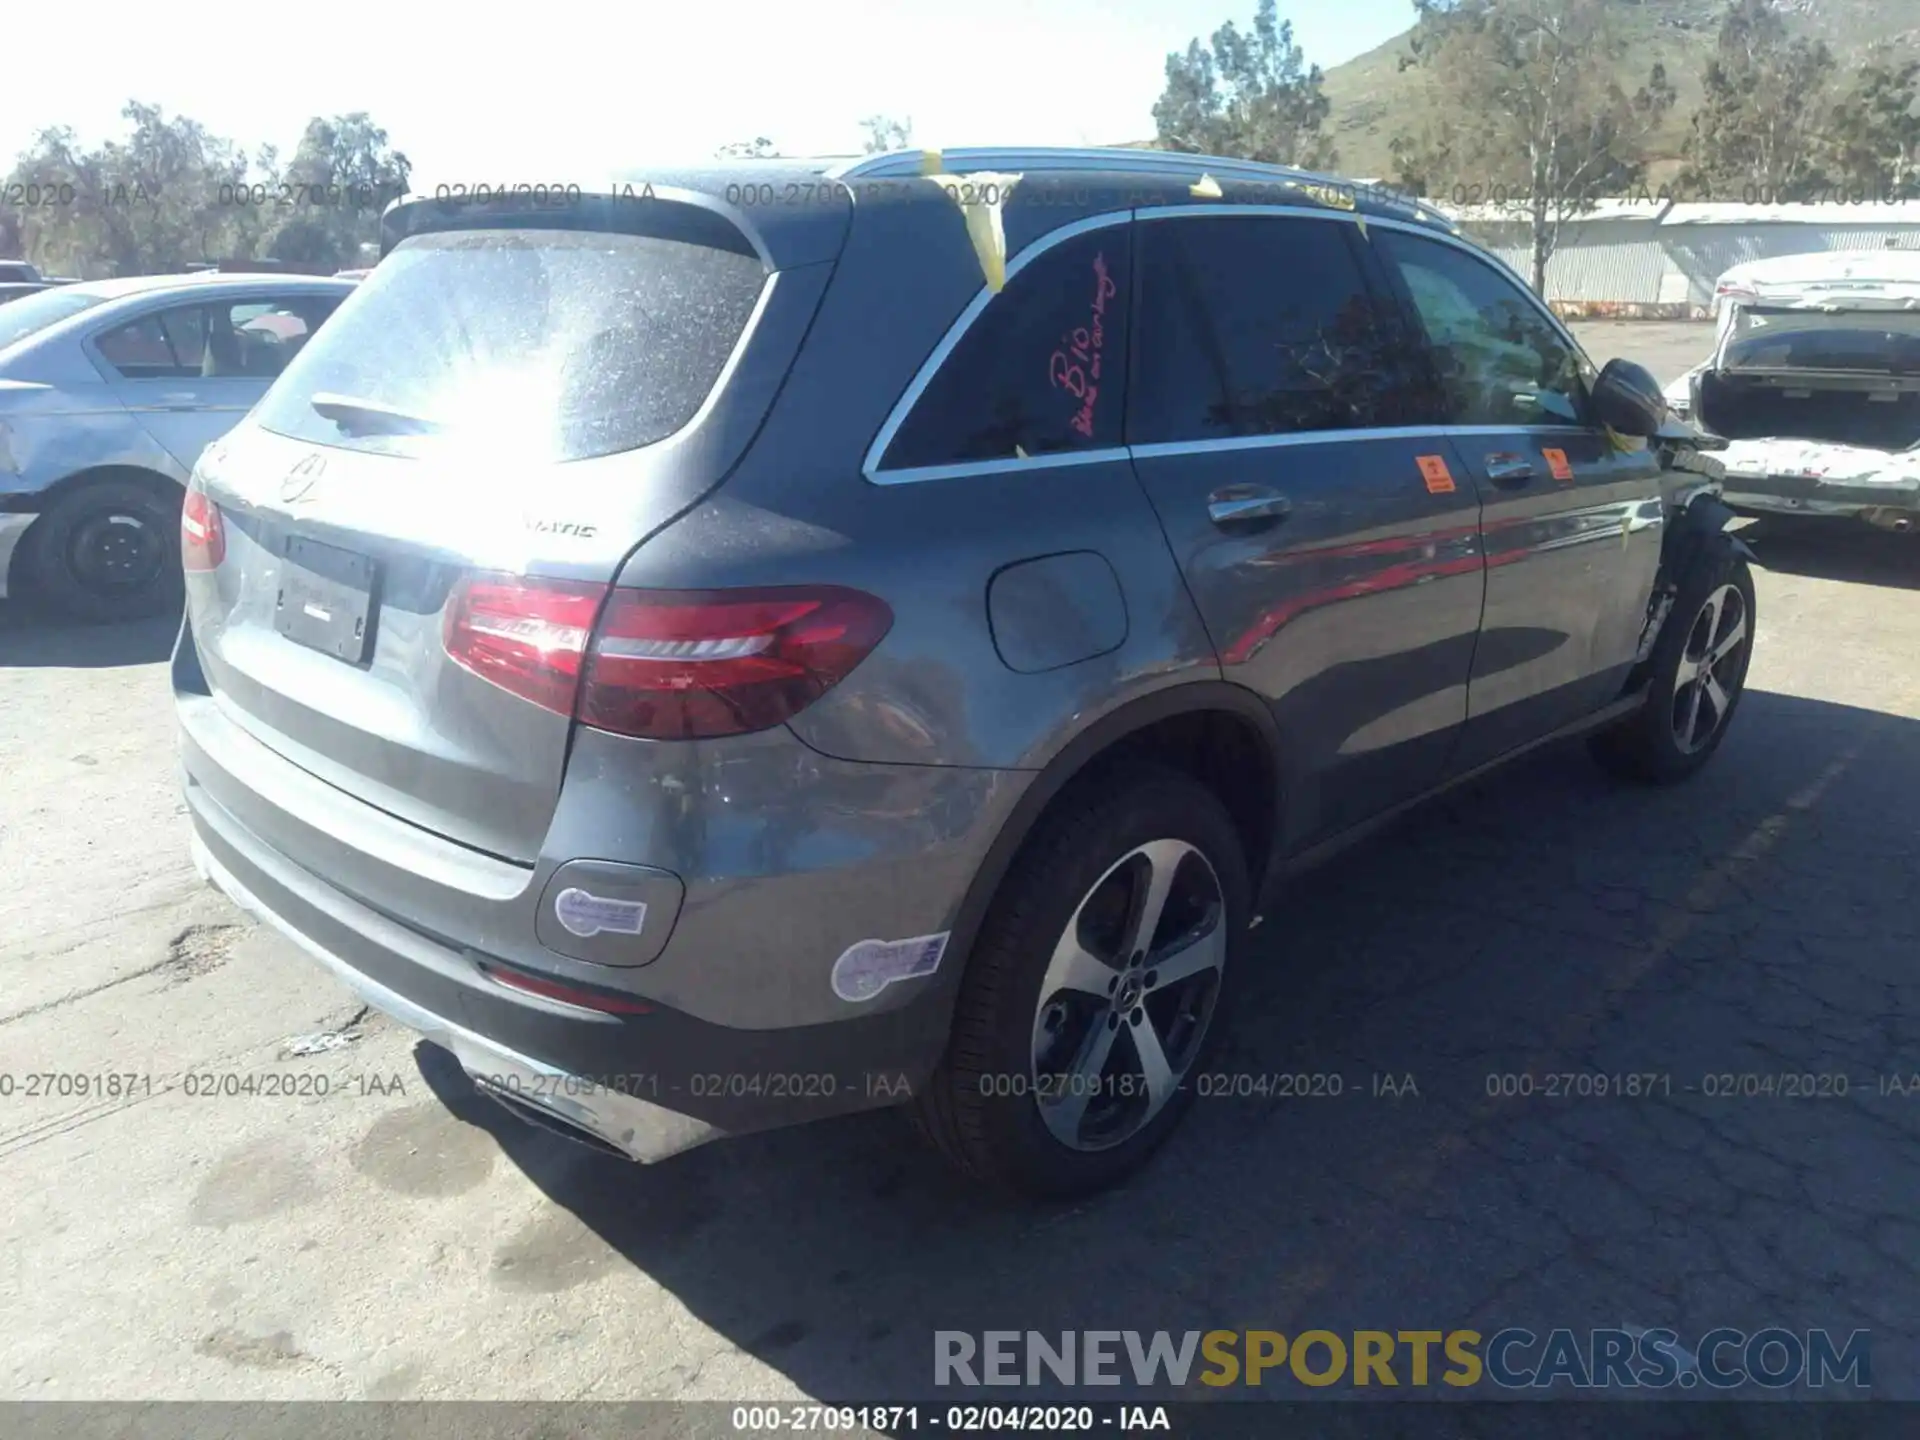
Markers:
<point>937,691</point>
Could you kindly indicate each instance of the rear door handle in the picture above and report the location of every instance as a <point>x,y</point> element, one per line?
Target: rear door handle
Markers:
<point>1247,506</point>
<point>1506,468</point>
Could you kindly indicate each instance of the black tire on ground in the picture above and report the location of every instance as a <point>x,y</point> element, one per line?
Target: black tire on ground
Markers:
<point>979,1108</point>
<point>107,549</point>
<point>1646,746</point>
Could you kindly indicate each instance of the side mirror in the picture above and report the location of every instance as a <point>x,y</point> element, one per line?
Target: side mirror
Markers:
<point>1628,398</point>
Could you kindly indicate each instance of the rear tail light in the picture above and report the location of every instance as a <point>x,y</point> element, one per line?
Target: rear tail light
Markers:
<point>664,664</point>
<point>203,534</point>
<point>526,636</point>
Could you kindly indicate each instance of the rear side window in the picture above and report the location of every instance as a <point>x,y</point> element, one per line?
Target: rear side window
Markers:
<point>1264,325</point>
<point>1042,370</point>
<point>1500,360</point>
<point>535,344</point>
<point>224,339</point>
<point>145,349</point>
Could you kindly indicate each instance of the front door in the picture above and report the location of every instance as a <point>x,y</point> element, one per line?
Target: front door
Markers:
<point>1571,514</point>
<point>1278,424</point>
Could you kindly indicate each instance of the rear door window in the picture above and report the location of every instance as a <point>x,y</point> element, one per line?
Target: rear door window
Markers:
<point>1266,325</point>
<point>163,345</point>
<point>541,344</point>
<point>1041,370</point>
<point>1501,361</point>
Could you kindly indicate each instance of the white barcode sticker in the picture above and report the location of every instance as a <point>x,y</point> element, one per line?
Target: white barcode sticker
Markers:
<point>865,969</point>
<point>584,913</point>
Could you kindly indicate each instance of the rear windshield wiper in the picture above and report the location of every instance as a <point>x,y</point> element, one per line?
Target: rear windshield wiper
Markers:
<point>369,417</point>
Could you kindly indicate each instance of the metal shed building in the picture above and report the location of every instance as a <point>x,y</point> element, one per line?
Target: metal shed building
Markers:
<point>1660,259</point>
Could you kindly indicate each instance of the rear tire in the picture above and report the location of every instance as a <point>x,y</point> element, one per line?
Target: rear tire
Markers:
<point>107,550</point>
<point>1698,673</point>
<point>1064,1073</point>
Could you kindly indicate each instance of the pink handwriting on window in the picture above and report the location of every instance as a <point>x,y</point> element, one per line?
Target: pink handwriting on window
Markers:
<point>1075,367</point>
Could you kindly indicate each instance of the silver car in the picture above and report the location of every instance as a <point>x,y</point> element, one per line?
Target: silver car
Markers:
<point>109,391</point>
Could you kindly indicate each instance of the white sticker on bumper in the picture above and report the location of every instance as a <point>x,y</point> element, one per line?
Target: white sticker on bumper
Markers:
<point>867,968</point>
<point>584,914</point>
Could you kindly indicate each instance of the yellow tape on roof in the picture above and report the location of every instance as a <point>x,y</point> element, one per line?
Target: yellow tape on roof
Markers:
<point>980,197</point>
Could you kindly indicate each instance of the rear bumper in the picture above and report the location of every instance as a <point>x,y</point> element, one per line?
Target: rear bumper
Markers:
<point>1803,478</point>
<point>1781,495</point>
<point>636,1127</point>
<point>13,526</point>
<point>647,1085</point>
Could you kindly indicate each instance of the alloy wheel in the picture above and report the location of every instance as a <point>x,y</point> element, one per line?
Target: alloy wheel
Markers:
<point>1128,994</point>
<point>1711,669</point>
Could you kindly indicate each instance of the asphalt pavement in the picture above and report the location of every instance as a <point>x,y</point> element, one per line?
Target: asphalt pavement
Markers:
<point>326,1212</point>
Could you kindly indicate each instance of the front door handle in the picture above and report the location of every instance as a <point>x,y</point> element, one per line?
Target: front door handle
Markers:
<point>1247,506</point>
<point>1506,468</point>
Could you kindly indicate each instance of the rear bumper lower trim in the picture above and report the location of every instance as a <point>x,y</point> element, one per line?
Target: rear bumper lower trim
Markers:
<point>635,1127</point>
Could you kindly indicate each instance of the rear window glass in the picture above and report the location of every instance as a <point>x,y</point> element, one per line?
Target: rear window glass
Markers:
<point>29,314</point>
<point>541,345</point>
<point>1041,370</point>
<point>1793,339</point>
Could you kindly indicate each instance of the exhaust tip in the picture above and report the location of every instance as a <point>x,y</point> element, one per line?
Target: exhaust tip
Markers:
<point>542,1118</point>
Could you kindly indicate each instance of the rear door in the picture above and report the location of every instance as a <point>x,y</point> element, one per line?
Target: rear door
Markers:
<point>1571,514</point>
<point>189,372</point>
<point>529,395</point>
<point>1284,426</point>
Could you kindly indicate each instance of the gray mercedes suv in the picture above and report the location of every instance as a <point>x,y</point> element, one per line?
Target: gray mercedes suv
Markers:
<point>714,650</point>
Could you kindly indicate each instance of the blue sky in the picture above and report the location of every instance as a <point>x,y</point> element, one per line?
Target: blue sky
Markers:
<point>472,92</point>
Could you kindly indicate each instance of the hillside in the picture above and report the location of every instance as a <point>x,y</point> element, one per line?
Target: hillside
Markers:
<point>1373,100</point>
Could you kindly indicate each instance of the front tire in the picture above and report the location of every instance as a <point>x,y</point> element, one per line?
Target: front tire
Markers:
<point>1094,989</point>
<point>107,550</point>
<point>1698,673</point>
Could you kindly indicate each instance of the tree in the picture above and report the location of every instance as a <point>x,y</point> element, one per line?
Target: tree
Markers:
<point>152,202</point>
<point>758,148</point>
<point>1873,138</point>
<point>170,193</point>
<point>1768,101</point>
<point>1531,112</point>
<point>342,175</point>
<point>1251,96</point>
<point>885,133</point>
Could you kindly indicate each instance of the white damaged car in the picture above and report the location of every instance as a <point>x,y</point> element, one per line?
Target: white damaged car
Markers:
<point>1815,381</point>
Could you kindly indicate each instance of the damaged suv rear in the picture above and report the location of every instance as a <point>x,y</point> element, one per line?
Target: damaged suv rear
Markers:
<point>1815,378</point>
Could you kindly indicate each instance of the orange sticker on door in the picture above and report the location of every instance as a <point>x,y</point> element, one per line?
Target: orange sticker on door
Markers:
<point>1433,469</point>
<point>1557,464</point>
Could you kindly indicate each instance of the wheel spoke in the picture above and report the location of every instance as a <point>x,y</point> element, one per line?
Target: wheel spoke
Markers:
<point>1709,621</point>
<point>1686,672</point>
<point>1074,967</point>
<point>1729,642</point>
<point>1189,956</point>
<point>1692,722</point>
<point>1154,1068</point>
<point>1080,1085</point>
<point>1164,857</point>
<point>1717,697</point>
